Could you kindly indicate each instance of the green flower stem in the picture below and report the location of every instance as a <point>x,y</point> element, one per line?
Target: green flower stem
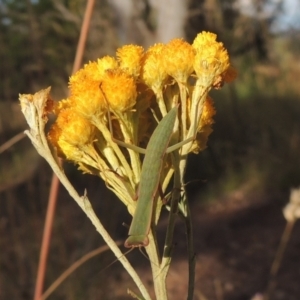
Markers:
<point>183,97</point>
<point>127,128</point>
<point>159,277</point>
<point>199,96</point>
<point>189,233</point>
<point>108,137</point>
<point>190,249</point>
<point>160,101</point>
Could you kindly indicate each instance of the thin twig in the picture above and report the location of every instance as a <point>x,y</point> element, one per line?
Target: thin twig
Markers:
<point>83,35</point>
<point>46,239</point>
<point>133,295</point>
<point>12,141</point>
<point>55,182</point>
<point>73,267</point>
<point>281,248</point>
<point>278,258</point>
<point>191,251</point>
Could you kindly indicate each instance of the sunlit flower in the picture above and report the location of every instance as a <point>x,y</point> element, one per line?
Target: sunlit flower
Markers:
<point>207,113</point>
<point>211,58</point>
<point>204,126</point>
<point>53,137</point>
<point>119,89</point>
<point>179,57</point>
<point>129,57</point>
<point>72,128</point>
<point>106,63</point>
<point>203,39</point>
<point>70,151</point>
<point>61,105</point>
<point>85,92</point>
<point>135,90</point>
<point>153,72</point>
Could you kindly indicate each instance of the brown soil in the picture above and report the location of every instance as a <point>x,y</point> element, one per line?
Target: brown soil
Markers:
<point>236,249</point>
<point>236,241</point>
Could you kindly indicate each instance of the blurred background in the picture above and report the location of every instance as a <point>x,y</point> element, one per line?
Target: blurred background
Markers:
<point>237,186</point>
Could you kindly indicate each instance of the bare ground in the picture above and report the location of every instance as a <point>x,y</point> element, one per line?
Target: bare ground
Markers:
<point>235,240</point>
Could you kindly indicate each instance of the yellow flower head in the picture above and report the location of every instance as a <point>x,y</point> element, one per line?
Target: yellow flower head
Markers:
<point>211,58</point>
<point>106,63</point>
<point>85,92</point>
<point>61,105</point>
<point>179,58</point>
<point>53,137</point>
<point>204,127</point>
<point>207,113</point>
<point>151,82</point>
<point>69,151</point>
<point>153,73</point>
<point>75,129</point>
<point>119,89</point>
<point>129,57</point>
<point>70,133</point>
<point>203,39</point>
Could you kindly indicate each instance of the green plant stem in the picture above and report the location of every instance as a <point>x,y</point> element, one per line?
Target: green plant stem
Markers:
<point>159,277</point>
<point>189,233</point>
<point>183,97</point>
<point>180,165</point>
<point>190,248</point>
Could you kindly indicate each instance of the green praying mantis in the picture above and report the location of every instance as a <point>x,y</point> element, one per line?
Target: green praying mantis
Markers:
<point>150,177</point>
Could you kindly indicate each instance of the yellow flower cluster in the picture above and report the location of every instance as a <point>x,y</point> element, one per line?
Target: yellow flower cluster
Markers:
<point>133,92</point>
